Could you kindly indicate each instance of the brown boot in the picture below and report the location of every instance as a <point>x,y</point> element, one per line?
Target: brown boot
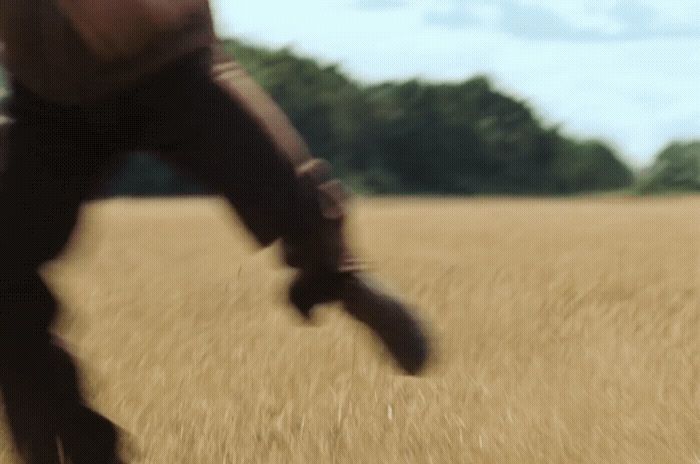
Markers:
<point>391,320</point>
<point>386,315</point>
<point>329,272</point>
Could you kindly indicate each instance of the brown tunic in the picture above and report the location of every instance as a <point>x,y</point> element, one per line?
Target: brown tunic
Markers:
<point>44,53</point>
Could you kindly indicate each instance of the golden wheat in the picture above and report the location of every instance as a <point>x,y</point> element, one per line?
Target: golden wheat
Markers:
<point>566,331</point>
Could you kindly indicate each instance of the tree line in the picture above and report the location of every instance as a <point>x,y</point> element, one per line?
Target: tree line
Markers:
<point>429,138</point>
<point>419,137</point>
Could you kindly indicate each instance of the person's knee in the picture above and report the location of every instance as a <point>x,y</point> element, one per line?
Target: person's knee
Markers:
<point>35,235</point>
<point>27,309</point>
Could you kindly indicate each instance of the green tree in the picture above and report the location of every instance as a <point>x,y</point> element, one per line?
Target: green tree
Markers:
<point>418,137</point>
<point>676,169</point>
<point>425,140</point>
<point>590,165</point>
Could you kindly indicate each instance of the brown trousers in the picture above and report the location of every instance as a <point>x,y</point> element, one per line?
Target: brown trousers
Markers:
<point>58,154</point>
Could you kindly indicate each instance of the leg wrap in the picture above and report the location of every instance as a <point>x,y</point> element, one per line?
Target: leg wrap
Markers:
<point>322,247</point>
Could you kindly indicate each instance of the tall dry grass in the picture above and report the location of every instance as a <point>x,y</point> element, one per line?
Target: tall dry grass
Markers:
<point>566,331</point>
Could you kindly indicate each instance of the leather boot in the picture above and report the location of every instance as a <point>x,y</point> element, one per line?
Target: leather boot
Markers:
<point>389,318</point>
<point>329,272</point>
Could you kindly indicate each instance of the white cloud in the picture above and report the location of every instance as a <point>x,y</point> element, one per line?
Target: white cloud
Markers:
<point>583,21</point>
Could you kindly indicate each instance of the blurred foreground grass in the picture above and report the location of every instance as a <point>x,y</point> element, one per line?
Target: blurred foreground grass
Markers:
<point>567,331</point>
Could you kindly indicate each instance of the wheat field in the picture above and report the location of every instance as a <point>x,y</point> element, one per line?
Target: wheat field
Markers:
<point>565,331</point>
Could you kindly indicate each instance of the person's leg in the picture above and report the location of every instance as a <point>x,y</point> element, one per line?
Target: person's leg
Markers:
<point>195,124</point>
<point>210,129</point>
<point>41,187</point>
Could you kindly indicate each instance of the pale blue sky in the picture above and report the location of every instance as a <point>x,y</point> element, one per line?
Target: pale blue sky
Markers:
<point>626,71</point>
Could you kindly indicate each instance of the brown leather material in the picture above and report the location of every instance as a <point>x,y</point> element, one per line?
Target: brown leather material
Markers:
<point>242,88</point>
<point>333,197</point>
<point>323,244</point>
<point>323,247</point>
<point>393,321</point>
<point>332,194</point>
<point>390,319</point>
<point>117,30</point>
<point>46,53</point>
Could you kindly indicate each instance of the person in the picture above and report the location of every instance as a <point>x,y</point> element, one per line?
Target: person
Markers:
<point>93,80</point>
